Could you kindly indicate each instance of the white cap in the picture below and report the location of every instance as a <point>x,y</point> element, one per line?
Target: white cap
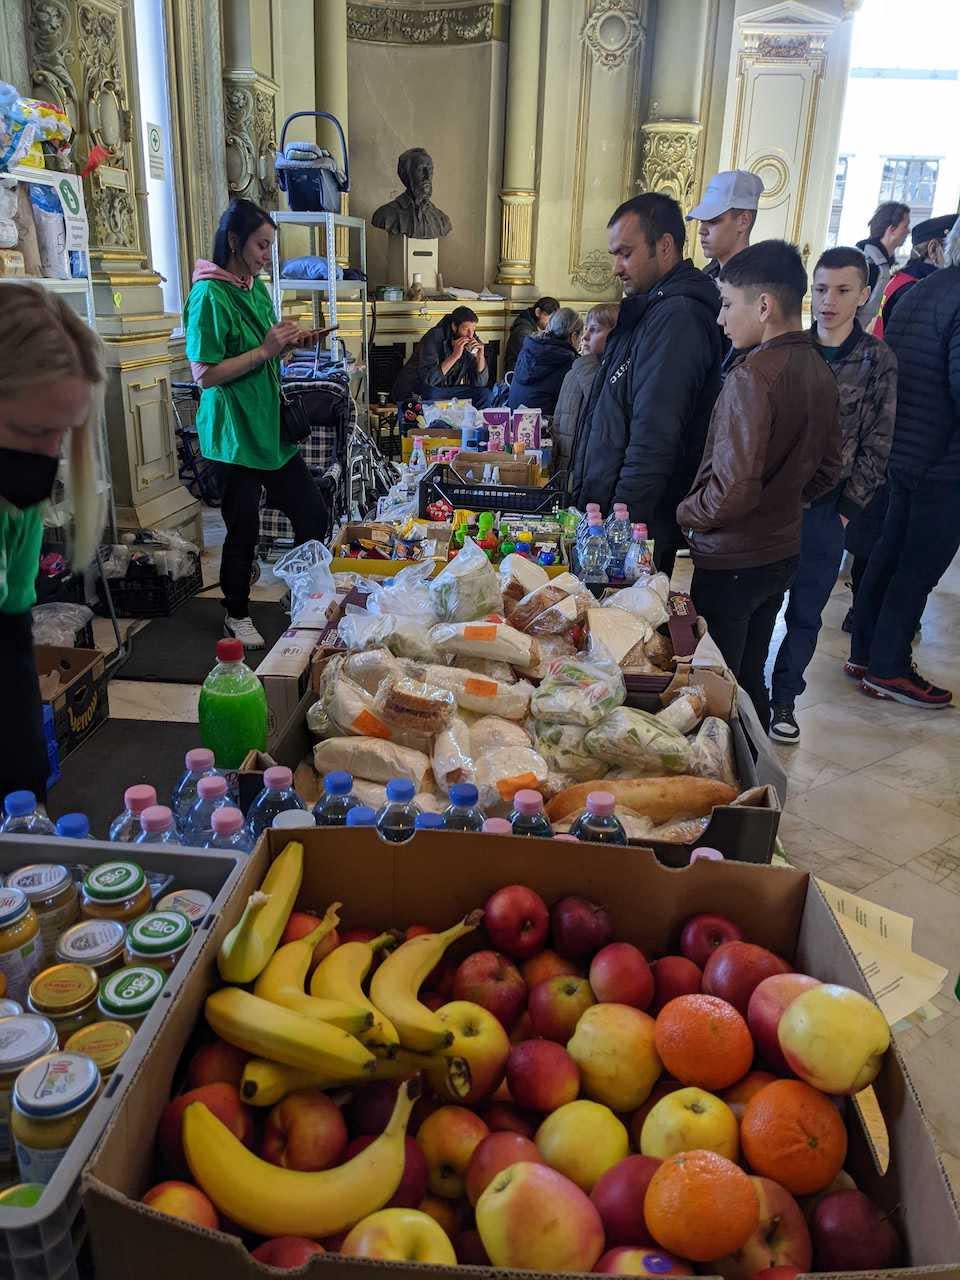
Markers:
<point>291,819</point>
<point>733,189</point>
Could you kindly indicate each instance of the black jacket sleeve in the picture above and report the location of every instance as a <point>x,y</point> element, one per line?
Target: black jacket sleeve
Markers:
<point>430,355</point>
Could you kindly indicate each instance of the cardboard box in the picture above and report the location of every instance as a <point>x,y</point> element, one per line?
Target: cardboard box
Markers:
<point>285,676</point>
<point>382,886</point>
<point>78,699</point>
<point>513,470</point>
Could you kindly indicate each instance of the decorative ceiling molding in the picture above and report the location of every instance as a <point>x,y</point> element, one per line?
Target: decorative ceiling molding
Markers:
<point>612,31</point>
<point>434,24</point>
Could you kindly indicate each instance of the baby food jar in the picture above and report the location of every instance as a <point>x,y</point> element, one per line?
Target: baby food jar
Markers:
<point>97,943</point>
<point>159,938</point>
<point>10,1008</point>
<point>129,994</point>
<point>52,892</point>
<point>21,950</point>
<point>23,1039</point>
<point>67,995</point>
<point>104,1042</point>
<point>115,891</point>
<point>51,1099</point>
<point>194,904</point>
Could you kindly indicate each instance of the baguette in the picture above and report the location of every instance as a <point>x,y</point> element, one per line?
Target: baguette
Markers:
<point>658,798</point>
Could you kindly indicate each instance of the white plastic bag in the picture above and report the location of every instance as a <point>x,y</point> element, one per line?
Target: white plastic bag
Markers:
<point>501,774</point>
<point>306,571</point>
<point>561,745</point>
<point>467,588</point>
<point>478,693</point>
<point>58,624</point>
<point>579,690</point>
<point>644,600</point>
<point>452,758</point>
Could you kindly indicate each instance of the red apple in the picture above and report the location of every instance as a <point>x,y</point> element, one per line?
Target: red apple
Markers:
<point>413,1184</point>
<point>619,1194</point>
<point>448,1139</point>
<point>415,931</point>
<point>433,1000</point>
<point>619,973</point>
<point>780,1239</point>
<point>286,1253</point>
<point>216,1063</point>
<point>303,922</point>
<point>555,1006</point>
<point>702,934</point>
<point>736,969</point>
<point>517,921</point>
<point>470,1250</point>
<point>492,981</point>
<point>184,1201</point>
<point>850,1233</point>
<point>547,964</point>
<point>523,1030</point>
<point>542,1075</point>
<point>226,1104</point>
<point>507,1117</point>
<point>305,1131</point>
<point>580,927</point>
<point>372,1107</point>
<point>359,933</point>
<point>673,976</point>
<point>627,1260</point>
<point>497,1151</point>
<point>768,1001</point>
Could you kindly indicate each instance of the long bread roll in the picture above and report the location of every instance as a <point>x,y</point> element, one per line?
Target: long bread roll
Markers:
<point>658,798</point>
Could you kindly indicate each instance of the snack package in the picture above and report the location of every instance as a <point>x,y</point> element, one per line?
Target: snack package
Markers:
<point>685,709</point>
<point>579,690</point>
<point>711,753</point>
<point>497,641</point>
<point>490,733</point>
<point>561,745</point>
<point>452,757</point>
<point>414,706</point>
<point>373,759</point>
<point>632,737</point>
<point>370,668</point>
<point>526,427</point>
<point>502,773</point>
<point>550,648</point>
<point>643,599</point>
<point>467,588</point>
<point>497,422</point>
<point>488,667</point>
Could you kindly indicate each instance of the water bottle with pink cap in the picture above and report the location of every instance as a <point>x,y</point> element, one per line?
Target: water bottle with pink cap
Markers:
<point>276,797</point>
<point>229,831</point>
<point>197,827</point>
<point>528,818</point>
<point>125,828</point>
<point>199,764</point>
<point>157,826</point>
<point>598,822</point>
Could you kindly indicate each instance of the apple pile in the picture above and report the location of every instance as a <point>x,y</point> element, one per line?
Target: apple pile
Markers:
<point>581,1095</point>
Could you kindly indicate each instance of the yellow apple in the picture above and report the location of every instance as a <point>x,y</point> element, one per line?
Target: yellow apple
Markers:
<point>532,1218</point>
<point>690,1120</point>
<point>478,1037</point>
<point>834,1038</point>
<point>448,1138</point>
<point>582,1140</point>
<point>614,1048</point>
<point>400,1235</point>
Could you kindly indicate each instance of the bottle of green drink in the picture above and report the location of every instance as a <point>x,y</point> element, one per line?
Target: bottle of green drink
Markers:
<point>233,708</point>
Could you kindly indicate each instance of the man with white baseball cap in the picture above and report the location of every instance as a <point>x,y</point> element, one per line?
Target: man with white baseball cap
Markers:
<point>726,214</point>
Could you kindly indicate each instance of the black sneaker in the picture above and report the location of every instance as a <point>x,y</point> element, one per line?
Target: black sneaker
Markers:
<point>912,689</point>
<point>783,725</point>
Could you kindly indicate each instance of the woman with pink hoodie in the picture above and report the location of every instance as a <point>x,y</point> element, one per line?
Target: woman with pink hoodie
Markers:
<point>234,344</point>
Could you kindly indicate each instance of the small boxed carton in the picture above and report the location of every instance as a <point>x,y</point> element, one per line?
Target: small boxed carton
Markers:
<point>285,676</point>
<point>73,682</point>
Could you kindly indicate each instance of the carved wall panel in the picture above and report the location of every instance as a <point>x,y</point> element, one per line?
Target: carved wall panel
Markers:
<point>669,157</point>
<point>433,24</point>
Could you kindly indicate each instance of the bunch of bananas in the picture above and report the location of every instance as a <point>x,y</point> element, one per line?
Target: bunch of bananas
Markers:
<point>332,1037</point>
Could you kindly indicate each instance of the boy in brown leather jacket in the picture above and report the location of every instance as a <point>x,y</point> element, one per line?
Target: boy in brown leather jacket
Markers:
<point>773,446</point>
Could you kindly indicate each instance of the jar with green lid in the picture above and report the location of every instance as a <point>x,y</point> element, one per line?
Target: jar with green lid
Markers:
<point>97,943</point>
<point>23,1039</point>
<point>115,891</point>
<point>21,948</point>
<point>129,994</point>
<point>52,892</point>
<point>194,904</point>
<point>158,938</point>
<point>10,1008</point>
<point>51,1099</point>
<point>67,995</point>
<point>104,1042</point>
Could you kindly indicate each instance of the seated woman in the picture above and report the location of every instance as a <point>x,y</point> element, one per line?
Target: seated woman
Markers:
<point>545,361</point>
<point>575,391</point>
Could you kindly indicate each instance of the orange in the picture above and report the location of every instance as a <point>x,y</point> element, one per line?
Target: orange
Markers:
<point>793,1133</point>
<point>703,1040</point>
<point>701,1206</point>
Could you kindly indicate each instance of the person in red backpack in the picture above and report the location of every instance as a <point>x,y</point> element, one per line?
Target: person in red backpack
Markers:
<point>926,256</point>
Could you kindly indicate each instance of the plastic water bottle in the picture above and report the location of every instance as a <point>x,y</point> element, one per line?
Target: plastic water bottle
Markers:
<point>592,509</point>
<point>125,828</point>
<point>462,813</point>
<point>397,819</point>
<point>595,553</point>
<point>277,795</point>
<point>74,826</point>
<point>233,708</point>
<point>199,764</point>
<point>361,815</point>
<point>337,800</point>
<point>598,823</point>
<point>528,818</point>
<point>637,561</point>
<point>428,822</point>
<point>24,816</point>
<point>293,820</point>
<point>197,827</point>
<point>157,826</point>
<point>497,827</point>
<point>619,538</point>
<point>230,831</point>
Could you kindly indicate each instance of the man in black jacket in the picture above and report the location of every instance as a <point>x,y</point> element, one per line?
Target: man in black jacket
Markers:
<point>642,433</point>
<point>921,533</point>
<point>450,355</point>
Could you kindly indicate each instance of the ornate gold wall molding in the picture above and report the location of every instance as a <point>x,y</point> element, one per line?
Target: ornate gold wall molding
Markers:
<point>516,237</point>
<point>433,24</point>
<point>250,112</point>
<point>669,158</point>
<point>613,30</point>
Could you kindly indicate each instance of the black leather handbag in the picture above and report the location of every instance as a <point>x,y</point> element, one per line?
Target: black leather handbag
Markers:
<point>295,422</point>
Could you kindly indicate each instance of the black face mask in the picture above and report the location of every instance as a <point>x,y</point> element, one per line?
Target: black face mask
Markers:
<point>26,478</point>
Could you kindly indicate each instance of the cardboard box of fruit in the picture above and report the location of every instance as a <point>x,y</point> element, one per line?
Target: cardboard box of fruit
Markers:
<point>580,1109</point>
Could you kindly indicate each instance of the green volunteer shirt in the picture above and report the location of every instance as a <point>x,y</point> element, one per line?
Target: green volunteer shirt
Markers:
<point>239,421</point>
<point>21,536</point>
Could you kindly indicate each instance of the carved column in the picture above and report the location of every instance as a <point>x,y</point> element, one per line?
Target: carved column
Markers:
<point>669,155</point>
<point>518,193</point>
<point>330,89</point>
<point>249,105</point>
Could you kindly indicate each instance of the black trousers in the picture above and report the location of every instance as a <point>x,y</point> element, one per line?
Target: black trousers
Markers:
<point>741,607</point>
<point>290,489</point>
<point>24,765</point>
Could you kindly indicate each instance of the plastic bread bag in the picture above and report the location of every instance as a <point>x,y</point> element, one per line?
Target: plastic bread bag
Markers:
<point>373,794</point>
<point>711,752</point>
<point>526,611</point>
<point>561,745</point>
<point>452,758</point>
<point>351,710</point>
<point>686,709</point>
<point>494,670</point>
<point>373,759</point>
<point>500,774</point>
<point>414,706</point>
<point>551,648</point>
<point>632,737</point>
<point>579,690</point>
<point>370,668</point>
<point>641,599</point>
<point>518,577</point>
<point>491,733</point>
<point>478,693</point>
<point>466,588</point>
<point>680,830</point>
<point>404,636</point>
<point>497,641</point>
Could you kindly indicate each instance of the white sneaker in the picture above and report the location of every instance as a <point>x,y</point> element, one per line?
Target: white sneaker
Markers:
<point>242,629</point>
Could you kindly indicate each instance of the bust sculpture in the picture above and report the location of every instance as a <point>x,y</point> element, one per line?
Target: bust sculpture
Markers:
<point>414,214</point>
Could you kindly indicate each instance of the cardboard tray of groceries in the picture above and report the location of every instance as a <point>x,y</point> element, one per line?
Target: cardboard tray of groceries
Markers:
<point>440,878</point>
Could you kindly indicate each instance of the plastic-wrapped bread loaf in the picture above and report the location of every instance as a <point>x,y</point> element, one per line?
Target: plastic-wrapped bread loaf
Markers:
<point>373,759</point>
<point>661,799</point>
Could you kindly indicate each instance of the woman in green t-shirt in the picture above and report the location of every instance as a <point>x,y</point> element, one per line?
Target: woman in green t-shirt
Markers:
<point>234,344</point>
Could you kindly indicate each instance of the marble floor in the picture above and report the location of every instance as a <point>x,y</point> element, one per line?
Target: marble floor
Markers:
<point>873,804</point>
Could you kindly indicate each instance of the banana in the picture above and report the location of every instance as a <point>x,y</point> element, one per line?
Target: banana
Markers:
<point>272,1201</point>
<point>248,946</point>
<point>265,1083</point>
<point>340,976</point>
<point>269,1031</point>
<point>283,979</point>
<point>396,983</point>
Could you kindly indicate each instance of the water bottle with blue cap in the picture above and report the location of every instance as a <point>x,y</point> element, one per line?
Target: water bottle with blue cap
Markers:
<point>397,820</point>
<point>338,799</point>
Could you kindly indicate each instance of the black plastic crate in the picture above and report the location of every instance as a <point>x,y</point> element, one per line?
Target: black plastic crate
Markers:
<point>442,481</point>
<point>150,597</point>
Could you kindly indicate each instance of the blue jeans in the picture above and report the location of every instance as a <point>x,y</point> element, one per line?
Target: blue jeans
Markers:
<point>920,537</point>
<point>821,551</point>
